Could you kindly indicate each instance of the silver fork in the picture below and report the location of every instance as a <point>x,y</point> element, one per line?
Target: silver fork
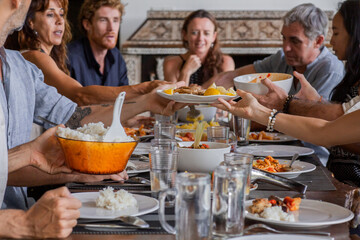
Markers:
<point>260,225</point>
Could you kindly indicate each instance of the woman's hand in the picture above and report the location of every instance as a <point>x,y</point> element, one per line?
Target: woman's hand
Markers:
<point>192,64</point>
<point>274,98</point>
<point>247,107</point>
<point>306,92</point>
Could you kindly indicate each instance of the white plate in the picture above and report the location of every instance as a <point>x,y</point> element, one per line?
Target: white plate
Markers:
<point>298,167</point>
<point>89,209</point>
<point>311,214</point>
<point>272,236</point>
<point>190,98</point>
<point>275,150</point>
<point>281,138</point>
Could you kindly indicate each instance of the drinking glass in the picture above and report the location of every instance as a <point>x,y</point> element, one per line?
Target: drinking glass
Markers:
<point>164,131</point>
<point>192,207</point>
<point>228,205</point>
<point>169,144</point>
<point>163,167</point>
<point>218,134</point>
<point>164,119</point>
<point>240,160</point>
<point>241,127</point>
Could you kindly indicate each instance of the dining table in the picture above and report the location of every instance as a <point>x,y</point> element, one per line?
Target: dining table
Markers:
<point>321,186</point>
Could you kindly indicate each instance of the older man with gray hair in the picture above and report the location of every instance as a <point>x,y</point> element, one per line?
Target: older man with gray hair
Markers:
<point>304,30</point>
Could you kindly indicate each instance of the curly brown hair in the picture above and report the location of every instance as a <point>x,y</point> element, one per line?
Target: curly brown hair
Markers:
<point>214,58</point>
<point>89,7</point>
<point>28,39</point>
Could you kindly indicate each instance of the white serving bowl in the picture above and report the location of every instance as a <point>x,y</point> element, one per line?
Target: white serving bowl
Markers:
<point>208,112</point>
<point>201,160</point>
<point>282,80</point>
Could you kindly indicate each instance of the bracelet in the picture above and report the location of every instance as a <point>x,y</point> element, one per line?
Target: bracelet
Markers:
<point>287,103</point>
<point>321,97</point>
<point>271,121</point>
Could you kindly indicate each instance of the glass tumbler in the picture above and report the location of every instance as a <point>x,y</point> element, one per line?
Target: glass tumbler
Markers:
<point>228,205</point>
<point>192,207</point>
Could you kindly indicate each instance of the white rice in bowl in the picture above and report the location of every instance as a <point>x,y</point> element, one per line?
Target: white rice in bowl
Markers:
<point>119,200</point>
<point>275,213</point>
<point>94,132</point>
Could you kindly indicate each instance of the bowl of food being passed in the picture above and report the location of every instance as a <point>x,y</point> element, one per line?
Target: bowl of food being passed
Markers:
<point>86,152</point>
<point>204,159</point>
<point>252,82</point>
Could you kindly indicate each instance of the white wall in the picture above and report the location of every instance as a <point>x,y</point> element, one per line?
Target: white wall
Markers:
<point>135,10</point>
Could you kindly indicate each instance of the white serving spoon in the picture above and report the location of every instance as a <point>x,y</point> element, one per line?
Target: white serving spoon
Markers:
<point>116,130</point>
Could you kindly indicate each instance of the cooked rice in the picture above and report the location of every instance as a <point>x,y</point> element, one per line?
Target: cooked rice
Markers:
<point>90,132</point>
<point>115,200</point>
<point>275,213</point>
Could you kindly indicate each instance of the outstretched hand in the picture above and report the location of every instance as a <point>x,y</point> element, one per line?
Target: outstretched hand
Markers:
<point>307,92</point>
<point>46,153</point>
<point>274,98</point>
<point>53,215</point>
<point>163,106</point>
<point>245,108</point>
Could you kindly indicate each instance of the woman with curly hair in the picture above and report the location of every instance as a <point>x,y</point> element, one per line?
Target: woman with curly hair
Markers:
<point>43,42</point>
<point>204,58</point>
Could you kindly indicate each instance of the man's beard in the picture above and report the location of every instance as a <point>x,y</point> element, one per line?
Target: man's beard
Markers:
<point>14,23</point>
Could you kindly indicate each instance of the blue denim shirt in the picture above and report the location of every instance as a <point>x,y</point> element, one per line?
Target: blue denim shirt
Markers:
<point>23,97</point>
<point>86,70</point>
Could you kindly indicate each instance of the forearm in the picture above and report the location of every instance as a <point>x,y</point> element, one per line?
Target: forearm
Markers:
<point>184,76</point>
<point>31,176</point>
<point>324,110</point>
<point>14,224</point>
<point>344,130</point>
<point>19,157</point>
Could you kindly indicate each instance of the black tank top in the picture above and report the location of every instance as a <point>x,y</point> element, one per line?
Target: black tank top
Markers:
<point>195,78</point>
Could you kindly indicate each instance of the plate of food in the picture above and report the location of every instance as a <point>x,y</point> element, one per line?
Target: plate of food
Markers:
<point>267,137</point>
<point>296,212</point>
<point>275,150</point>
<point>276,167</point>
<point>196,94</point>
<point>107,204</point>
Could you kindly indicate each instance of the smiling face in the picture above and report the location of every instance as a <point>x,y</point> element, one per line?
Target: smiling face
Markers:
<point>49,25</point>
<point>200,35</point>
<point>340,38</point>
<point>103,29</point>
<point>298,48</point>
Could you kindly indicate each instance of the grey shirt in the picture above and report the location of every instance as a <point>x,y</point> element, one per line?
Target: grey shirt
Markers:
<point>23,97</point>
<point>324,73</point>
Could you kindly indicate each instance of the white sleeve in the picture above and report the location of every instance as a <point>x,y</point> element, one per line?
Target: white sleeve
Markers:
<point>352,105</point>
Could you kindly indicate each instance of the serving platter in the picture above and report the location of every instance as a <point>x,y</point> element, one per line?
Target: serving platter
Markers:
<point>191,98</point>
<point>311,214</point>
<point>89,210</point>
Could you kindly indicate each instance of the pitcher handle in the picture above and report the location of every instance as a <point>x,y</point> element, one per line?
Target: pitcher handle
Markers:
<point>162,197</point>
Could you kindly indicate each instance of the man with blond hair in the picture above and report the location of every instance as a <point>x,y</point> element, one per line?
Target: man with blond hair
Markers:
<point>94,59</point>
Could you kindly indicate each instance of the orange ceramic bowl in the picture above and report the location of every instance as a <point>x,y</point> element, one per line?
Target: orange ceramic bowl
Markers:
<point>96,157</point>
